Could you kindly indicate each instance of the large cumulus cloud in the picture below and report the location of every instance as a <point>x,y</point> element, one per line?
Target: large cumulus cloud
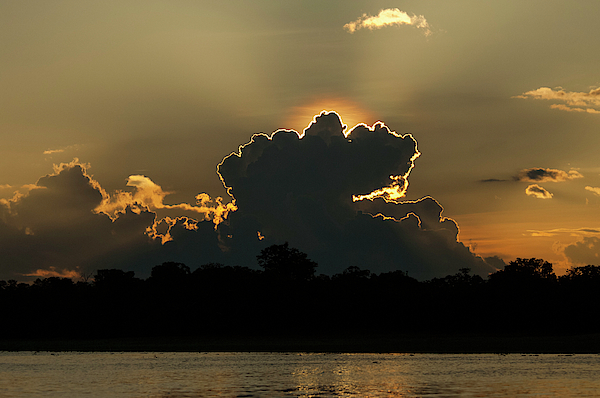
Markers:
<point>333,193</point>
<point>307,190</point>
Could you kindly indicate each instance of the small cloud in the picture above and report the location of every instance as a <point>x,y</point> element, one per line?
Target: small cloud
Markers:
<point>150,195</point>
<point>538,192</point>
<point>594,190</point>
<point>570,101</point>
<point>538,174</point>
<point>492,180</point>
<point>5,186</point>
<point>51,151</point>
<point>388,17</point>
<point>61,150</point>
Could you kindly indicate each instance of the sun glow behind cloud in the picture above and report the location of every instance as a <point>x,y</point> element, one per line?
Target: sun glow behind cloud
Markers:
<point>352,112</point>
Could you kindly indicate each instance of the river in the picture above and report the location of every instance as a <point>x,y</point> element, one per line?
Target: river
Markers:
<point>178,375</point>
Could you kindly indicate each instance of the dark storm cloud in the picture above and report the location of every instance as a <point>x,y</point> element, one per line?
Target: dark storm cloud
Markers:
<point>54,228</point>
<point>300,191</point>
<point>538,174</point>
<point>283,188</point>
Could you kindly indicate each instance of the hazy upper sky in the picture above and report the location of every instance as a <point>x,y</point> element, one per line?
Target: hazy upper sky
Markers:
<point>501,97</point>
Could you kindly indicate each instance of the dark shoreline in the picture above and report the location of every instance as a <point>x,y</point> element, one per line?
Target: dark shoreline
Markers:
<point>431,343</point>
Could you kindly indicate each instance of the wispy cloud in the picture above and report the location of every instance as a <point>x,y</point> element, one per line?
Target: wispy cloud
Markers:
<point>492,180</point>
<point>563,231</point>
<point>389,17</point>
<point>53,272</point>
<point>539,174</point>
<point>61,150</point>
<point>538,192</point>
<point>570,101</point>
<point>51,151</point>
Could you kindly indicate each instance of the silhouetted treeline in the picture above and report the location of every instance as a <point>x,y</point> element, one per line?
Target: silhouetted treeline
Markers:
<point>287,297</point>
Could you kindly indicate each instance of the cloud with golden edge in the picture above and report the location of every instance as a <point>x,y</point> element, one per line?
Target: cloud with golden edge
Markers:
<point>399,184</point>
<point>538,174</point>
<point>389,17</point>
<point>538,192</point>
<point>167,224</point>
<point>570,101</point>
<point>150,195</point>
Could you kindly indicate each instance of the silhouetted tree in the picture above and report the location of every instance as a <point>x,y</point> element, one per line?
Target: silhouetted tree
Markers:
<point>518,291</point>
<point>524,271</point>
<point>114,279</point>
<point>353,273</point>
<point>581,302</point>
<point>585,273</point>
<point>286,263</point>
<point>461,280</point>
<point>169,273</point>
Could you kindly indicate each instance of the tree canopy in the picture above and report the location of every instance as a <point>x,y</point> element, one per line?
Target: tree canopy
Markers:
<point>286,263</point>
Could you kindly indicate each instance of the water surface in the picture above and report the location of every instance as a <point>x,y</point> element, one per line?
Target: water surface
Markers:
<point>163,374</point>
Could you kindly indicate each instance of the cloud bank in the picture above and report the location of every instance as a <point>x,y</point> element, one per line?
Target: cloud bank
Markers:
<point>568,100</point>
<point>330,192</point>
<point>389,17</point>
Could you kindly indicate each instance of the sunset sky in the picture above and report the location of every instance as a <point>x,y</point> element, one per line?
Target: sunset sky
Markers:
<point>115,114</point>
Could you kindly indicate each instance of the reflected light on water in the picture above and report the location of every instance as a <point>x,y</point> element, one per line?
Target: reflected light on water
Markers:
<point>69,374</point>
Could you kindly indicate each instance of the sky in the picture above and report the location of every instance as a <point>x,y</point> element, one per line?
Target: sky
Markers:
<point>131,134</point>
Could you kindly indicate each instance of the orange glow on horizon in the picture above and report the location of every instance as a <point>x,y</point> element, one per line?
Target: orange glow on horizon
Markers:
<point>52,272</point>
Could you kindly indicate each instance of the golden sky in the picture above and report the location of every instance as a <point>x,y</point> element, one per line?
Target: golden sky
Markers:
<point>502,99</point>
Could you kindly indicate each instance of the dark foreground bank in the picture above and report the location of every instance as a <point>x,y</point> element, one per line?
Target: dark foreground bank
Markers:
<point>462,343</point>
<point>523,309</point>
